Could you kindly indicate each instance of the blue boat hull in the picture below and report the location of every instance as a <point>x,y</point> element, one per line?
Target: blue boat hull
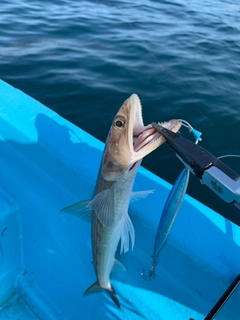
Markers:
<point>47,163</point>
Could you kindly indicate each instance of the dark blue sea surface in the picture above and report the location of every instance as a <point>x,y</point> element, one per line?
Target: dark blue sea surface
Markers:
<point>84,58</point>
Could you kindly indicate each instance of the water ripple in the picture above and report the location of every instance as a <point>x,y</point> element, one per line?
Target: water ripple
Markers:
<point>180,56</point>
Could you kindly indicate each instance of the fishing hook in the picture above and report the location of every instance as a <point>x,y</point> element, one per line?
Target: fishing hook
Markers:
<point>150,270</point>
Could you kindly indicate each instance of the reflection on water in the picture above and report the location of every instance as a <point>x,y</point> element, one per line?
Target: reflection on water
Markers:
<point>83,59</point>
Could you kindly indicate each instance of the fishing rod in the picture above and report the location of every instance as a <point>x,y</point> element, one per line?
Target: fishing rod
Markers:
<point>223,299</point>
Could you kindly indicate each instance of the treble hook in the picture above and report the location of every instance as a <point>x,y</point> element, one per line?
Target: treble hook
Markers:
<point>150,270</point>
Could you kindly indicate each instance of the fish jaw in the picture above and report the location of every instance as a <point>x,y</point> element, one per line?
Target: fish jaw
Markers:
<point>129,140</point>
<point>150,139</point>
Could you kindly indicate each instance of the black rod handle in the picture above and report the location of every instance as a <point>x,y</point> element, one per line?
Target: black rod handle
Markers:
<point>220,303</point>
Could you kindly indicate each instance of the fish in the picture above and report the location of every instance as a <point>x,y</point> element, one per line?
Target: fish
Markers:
<point>127,143</point>
<point>168,217</point>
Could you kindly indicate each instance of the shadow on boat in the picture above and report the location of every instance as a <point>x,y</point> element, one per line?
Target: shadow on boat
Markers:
<point>200,259</point>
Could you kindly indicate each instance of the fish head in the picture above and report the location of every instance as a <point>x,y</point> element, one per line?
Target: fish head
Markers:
<point>129,140</point>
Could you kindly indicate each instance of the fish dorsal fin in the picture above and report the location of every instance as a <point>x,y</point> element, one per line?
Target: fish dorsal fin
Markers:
<point>126,232</point>
<point>103,206</point>
<point>135,196</point>
<point>117,266</point>
<point>80,209</point>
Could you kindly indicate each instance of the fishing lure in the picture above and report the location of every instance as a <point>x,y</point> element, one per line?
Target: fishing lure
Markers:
<point>171,209</point>
<point>169,214</point>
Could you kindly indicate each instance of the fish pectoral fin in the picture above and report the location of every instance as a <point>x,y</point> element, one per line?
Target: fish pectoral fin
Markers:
<point>95,288</point>
<point>135,196</point>
<point>117,266</point>
<point>80,209</point>
<point>103,206</point>
<point>126,232</point>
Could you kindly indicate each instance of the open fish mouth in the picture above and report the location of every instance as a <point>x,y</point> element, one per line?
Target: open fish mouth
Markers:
<point>147,136</point>
<point>144,139</point>
<point>148,139</point>
<point>129,140</point>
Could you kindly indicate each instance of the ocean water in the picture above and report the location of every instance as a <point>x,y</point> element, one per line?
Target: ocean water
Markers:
<point>84,58</point>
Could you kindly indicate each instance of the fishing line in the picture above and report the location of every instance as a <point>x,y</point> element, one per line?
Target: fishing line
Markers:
<point>229,155</point>
<point>197,134</point>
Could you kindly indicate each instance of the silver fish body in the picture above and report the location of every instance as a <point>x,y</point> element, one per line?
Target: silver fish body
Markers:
<point>107,234</point>
<point>127,143</point>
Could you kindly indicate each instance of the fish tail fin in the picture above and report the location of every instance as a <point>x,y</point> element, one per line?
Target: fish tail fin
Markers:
<point>113,296</point>
<point>95,288</point>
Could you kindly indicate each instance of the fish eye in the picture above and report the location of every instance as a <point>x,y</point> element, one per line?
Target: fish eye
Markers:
<point>119,123</point>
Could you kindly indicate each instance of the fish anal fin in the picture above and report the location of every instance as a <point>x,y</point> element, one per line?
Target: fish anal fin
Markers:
<point>80,209</point>
<point>117,266</point>
<point>126,232</point>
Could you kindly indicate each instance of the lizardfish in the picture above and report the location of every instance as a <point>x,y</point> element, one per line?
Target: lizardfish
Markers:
<point>169,214</point>
<point>127,143</point>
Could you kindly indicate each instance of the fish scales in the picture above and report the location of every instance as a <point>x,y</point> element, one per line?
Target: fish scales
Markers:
<point>128,142</point>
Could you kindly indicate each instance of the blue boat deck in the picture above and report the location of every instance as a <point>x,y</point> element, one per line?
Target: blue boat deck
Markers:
<point>46,163</point>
